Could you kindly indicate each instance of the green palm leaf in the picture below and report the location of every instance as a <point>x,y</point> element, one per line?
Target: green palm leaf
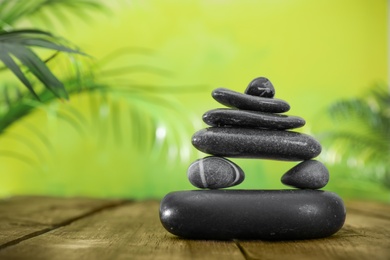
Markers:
<point>370,112</point>
<point>11,64</point>
<point>13,11</point>
<point>362,130</point>
<point>16,45</point>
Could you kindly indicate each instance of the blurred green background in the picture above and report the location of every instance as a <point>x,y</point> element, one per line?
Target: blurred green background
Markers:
<point>154,64</point>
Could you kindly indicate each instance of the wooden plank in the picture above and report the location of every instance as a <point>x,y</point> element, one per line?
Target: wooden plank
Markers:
<point>23,217</point>
<point>131,231</point>
<point>362,237</point>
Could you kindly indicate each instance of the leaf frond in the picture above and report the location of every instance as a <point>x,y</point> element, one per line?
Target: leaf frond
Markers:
<point>17,44</point>
<point>14,11</point>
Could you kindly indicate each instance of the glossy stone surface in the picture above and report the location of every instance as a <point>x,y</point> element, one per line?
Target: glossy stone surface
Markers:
<point>238,100</point>
<point>256,143</point>
<point>214,173</point>
<point>252,214</point>
<point>260,87</point>
<point>309,174</point>
<point>246,118</point>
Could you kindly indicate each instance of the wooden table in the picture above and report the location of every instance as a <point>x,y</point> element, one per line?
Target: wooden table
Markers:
<point>80,228</point>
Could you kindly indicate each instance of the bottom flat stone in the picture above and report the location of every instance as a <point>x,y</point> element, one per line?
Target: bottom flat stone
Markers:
<point>252,214</point>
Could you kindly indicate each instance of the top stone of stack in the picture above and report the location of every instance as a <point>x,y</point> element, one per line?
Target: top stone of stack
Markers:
<point>260,87</point>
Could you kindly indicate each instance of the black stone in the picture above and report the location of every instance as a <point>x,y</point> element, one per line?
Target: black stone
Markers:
<point>238,100</point>
<point>260,87</point>
<point>252,214</point>
<point>309,174</point>
<point>256,143</point>
<point>246,118</point>
<point>214,173</point>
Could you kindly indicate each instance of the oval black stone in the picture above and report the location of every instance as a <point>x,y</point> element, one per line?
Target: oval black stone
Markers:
<point>309,174</point>
<point>214,173</point>
<point>246,118</point>
<point>252,214</point>
<point>260,87</point>
<point>256,143</point>
<point>238,100</point>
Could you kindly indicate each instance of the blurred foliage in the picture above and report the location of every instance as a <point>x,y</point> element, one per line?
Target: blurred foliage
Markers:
<point>15,11</point>
<point>360,136</point>
<point>17,43</point>
<point>150,114</point>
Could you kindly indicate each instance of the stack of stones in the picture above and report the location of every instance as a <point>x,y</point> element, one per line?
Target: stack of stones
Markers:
<point>253,128</point>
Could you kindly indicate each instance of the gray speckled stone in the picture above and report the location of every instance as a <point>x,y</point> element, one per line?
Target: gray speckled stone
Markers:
<point>252,214</point>
<point>214,173</point>
<point>256,143</point>
<point>238,100</point>
<point>309,174</point>
<point>260,87</point>
<point>246,118</point>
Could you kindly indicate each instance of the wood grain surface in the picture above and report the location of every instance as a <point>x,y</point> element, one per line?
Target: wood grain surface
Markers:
<point>22,217</point>
<point>54,228</point>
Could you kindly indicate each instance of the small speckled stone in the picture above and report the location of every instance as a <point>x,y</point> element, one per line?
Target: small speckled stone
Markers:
<point>238,100</point>
<point>246,118</point>
<point>252,214</point>
<point>214,173</point>
<point>260,87</point>
<point>309,174</point>
<point>256,143</point>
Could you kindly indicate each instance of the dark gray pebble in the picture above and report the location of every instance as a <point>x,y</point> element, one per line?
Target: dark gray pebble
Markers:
<point>256,143</point>
<point>252,214</point>
<point>238,100</point>
<point>260,87</point>
<point>246,118</point>
<point>310,174</point>
<point>214,173</point>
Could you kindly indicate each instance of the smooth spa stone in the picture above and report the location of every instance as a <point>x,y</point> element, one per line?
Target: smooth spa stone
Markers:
<point>242,142</point>
<point>252,214</point>
<point>309,174</point>
<point>246,118</point>
<point>238,100</point>
<point>214,173</point>
<point>260,87</point>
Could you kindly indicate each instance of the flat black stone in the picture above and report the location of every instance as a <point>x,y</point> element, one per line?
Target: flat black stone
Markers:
<point>252,214</point>
<point>246,118</point>
<point>261,87</point>
<point>256,143</point>
<point>309,174</point>
<point>238,100</point>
